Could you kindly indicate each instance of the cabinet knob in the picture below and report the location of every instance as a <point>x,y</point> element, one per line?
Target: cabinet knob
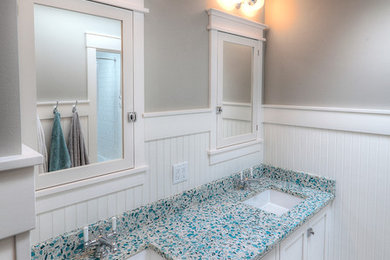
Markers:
<point>219,109</point>
<point>310,232</point>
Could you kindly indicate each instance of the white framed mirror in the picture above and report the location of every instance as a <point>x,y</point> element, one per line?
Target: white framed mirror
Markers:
<point>236,77</point>
<point>237,89</point>
<point>83,62</point>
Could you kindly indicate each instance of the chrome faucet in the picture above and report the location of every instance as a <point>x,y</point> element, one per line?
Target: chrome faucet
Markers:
<point>243,182</point>
<point>103,243</point>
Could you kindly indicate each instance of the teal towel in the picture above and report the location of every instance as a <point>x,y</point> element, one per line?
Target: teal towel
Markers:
<point>59,154</point>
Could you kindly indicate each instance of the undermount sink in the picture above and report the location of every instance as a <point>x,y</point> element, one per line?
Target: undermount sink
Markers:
<point>273,201</point>
<point>147,254</point>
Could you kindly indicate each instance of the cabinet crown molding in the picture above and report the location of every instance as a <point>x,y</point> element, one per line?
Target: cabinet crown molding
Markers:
<point>234,24</point>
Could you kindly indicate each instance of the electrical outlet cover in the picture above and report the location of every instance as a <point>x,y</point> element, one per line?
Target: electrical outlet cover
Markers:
<point>180,172</point>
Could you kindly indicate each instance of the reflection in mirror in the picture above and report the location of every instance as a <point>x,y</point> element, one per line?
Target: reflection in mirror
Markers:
<point>109,106</point>
<point>78,57</point>
<point>237,89</point>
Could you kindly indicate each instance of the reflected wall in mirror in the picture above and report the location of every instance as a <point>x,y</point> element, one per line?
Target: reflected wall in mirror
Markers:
<point>237,89</point>
<point>79,57</point>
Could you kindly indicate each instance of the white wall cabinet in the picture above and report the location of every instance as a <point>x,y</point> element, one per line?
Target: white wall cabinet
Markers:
<point>236,62</point>
<point>304,244</point>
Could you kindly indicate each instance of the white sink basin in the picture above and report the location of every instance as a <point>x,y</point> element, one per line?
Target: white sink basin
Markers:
<point>273,201</point>
<point>146,254</point>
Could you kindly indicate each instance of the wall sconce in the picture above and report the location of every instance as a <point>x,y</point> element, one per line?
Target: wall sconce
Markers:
<point>252,4</point>
<point>247,7</point>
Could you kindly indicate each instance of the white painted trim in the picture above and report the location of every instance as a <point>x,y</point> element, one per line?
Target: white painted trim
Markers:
<point>224,22</point>
<point>162,127</point>
<point>138,95</point>
<point>65,195</point>
<point>237,104</point>
<point>125,4</point>
<point>352,120</point>
<point>28,158</point>
<point>235,151</point>
<point>23,246</point>
<point>234,147</point>
<point>177,112</point>
<point>332,109</point>
<point>105,42</point>
<point>92,106</point>
<point>87,182</point>
<point>67,102</point>
<point>213,84</point>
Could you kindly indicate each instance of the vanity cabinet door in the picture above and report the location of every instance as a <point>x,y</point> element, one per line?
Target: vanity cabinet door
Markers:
<point>316,237</point>
<point>309,242</point>
<point>294,247</point>
<point>272,255</point>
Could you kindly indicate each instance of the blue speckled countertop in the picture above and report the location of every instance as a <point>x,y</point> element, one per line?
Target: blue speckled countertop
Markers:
<point>208,222</point>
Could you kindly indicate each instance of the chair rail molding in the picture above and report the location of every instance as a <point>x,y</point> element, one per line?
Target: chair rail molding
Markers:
<point>370,121</point>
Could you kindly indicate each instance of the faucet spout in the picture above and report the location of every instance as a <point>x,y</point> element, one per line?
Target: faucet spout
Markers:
<point>105,242</point>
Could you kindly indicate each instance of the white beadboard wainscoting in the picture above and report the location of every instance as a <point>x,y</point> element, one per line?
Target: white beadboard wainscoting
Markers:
<point>163,153</point>
<point>351,146</point>
<point>79,204</point>
<point>169,138</point>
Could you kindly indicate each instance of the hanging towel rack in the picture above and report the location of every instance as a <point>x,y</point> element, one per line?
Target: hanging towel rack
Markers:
<point>74,109</point>
<point>55,107</point>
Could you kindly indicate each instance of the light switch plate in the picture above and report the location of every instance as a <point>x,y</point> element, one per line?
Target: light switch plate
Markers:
<point>180,172</point>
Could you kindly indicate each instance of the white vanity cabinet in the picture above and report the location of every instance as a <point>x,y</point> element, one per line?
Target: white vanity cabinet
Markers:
<point>309,242</point>
<point>273,255</point>
<point>316,243</point>
<point>293,248</point>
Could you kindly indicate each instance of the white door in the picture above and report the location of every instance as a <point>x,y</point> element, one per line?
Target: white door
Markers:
<point>271,255</point>
<point>316,240</point>
<point>294,247</point>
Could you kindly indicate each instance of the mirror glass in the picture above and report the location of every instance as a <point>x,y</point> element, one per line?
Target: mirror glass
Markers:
<point>237,89</point>
<point>79,65</point>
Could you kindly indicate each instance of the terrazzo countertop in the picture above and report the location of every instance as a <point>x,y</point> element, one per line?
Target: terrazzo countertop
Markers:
<point>208,222</point>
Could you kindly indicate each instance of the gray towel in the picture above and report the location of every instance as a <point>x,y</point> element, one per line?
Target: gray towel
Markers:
<point>76,144</point>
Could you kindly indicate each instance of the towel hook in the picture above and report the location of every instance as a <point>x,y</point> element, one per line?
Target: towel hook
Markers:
<point>74,109</point>
<point>55,107</point>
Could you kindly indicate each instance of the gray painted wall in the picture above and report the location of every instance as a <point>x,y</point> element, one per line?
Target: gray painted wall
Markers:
<point>328,53</point>
<point>177,53</point>
<point>60,53</point>
<point>10,133</point>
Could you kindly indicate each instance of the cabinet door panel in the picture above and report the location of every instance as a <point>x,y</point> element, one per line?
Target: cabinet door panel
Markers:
<point>271,255</point>
<point>316,241</point>
<point>293,248</point>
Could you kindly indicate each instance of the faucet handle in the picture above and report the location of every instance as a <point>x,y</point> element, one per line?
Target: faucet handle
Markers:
<point>86,234</point>
<point>113,222</point>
